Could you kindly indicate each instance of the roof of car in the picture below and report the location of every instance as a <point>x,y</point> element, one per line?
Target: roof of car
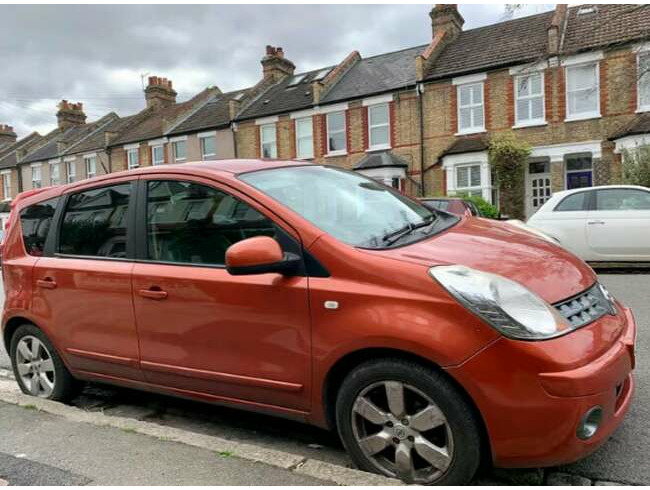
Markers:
<point>598,187</point>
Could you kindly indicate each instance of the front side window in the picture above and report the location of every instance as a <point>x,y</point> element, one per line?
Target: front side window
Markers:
<point>351,207</point>
<point>268,144</point>
<point>643,78</point>
<point>157,155</point>
<point>379,126</point>
<point>6,186</point>
<point>55,173</point>
<point>91,166</point>
<point>191,223</point>
<point>622,200</point>
<point>468,180</point>
<point>529,99</point>
<point>71,171</point>
<point>133,158</point>
<point>470,108</point>
<point>36,177</point>
<point>94,223</point>
<point>208,148</point>
<point>582,91</point>
<point>35,222</point>
<point>336,132</point>
<point>179,150</point>
<point>304,138</point>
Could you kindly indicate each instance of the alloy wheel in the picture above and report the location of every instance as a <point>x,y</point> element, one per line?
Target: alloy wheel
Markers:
<point>402,432</point>
<point>35,366</point>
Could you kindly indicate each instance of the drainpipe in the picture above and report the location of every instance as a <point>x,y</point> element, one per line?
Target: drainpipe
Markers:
<point>418,90</point>
<point>233,128</point>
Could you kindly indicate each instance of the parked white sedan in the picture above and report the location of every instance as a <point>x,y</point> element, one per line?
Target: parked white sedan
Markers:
<point>599,224</point>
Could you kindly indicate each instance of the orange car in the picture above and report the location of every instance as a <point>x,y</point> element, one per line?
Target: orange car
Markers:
<point>427,340</point>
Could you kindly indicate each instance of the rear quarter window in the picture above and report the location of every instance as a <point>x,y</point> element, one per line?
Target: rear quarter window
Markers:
<point>35,223</point>
<point>574,202</point>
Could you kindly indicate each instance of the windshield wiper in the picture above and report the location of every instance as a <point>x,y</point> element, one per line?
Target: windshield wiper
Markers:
<point>396,235</point>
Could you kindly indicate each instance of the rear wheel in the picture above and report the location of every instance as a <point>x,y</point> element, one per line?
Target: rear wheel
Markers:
<point>37,366</point>
<point>405,420</point>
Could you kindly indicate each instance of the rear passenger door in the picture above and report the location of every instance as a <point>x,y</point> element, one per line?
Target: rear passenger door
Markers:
<point>82,283</point>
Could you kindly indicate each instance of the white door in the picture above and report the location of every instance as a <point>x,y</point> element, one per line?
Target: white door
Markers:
<point>618,228</point>
<point>538,186</point>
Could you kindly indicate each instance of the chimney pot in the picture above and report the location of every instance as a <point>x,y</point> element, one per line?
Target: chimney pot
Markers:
<point>70,114</point>
<point>275,66</point>
<point>7,134</point>
<point>446,18</point>
<point>159,93</point>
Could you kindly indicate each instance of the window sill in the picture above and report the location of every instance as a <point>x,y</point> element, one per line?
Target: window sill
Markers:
<point>336,154</point>
<point>305,159</point>
<point>643,109</point>
<point>378,148</point>
<point>532,124</point>
<point>585,117</point>
<point>211,155</point>
<point>179,160</point>
<point>470,131</point>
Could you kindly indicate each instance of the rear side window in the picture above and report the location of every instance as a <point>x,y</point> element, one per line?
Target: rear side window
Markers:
<point>94,223</point>
<point>193,223</point>
<point>35,222</point>
<point>574,202</point>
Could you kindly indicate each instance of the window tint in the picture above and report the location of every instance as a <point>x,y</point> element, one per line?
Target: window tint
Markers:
<point>574,202</point>
<point>35,221</point>
<point>94,223</point>
<point>193,223</point>
<point>622,200</point>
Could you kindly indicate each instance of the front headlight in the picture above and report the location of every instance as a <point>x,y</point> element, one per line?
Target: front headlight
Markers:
<point>509,307</point>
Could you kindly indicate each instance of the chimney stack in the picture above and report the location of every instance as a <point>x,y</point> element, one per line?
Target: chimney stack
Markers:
<point>7,134</point>
<point>446,18</point>
<point>70,114</point>
<point>556,28</point>
<point>159,93</point>
<point>275,66</point>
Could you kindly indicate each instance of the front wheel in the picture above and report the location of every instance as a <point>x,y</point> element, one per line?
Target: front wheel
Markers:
<point>404,420</point>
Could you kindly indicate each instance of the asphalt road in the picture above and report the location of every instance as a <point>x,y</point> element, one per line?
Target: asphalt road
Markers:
<point>622,459</point>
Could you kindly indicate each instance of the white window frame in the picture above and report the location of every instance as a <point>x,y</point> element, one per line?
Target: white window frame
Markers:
<point>70,176</point>
<point>529,122</point>
<point>381,146</point>
<point>582,115</point>
<point>204,137</point>
<point>344,151</point>
<point>273,142</point>
<point>129,160</point>
<point>155,162</point>
<point>175,144</point>
<point>304,120</point>
<point>451,163</point>
<point>87,160</point>
<point>6,185</point>
<point>56,165</point>
<point>474,128</point>
<point>640,79</point>
<point>38,181</point>
<point>470,189</point>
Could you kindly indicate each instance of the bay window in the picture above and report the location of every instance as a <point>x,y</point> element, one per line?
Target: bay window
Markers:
<point>470,108</point>
<point>468,180</point>
<point>529,99</point>
<point>268,141</point>
<point>378,126</point>
<point>582,91</point>
<point>336,133</point>
<point>304,138</point>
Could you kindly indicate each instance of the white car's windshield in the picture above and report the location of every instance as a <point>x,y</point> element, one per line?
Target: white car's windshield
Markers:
<point>352,208</point>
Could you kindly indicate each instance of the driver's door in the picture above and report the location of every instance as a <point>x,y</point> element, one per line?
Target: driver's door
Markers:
<point>202,330</point>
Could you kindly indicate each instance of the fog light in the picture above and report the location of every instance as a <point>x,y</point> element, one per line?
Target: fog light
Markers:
<point>589,423</point>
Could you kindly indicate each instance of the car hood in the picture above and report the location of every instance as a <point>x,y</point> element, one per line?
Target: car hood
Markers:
<point>491,246</point>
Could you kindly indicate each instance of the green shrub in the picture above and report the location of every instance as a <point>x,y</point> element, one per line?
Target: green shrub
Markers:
<point>486,209</point>
<point>636,166</point>
<point>507,156</point>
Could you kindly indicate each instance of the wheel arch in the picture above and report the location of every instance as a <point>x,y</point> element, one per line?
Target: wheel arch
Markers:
<point>10,328</point>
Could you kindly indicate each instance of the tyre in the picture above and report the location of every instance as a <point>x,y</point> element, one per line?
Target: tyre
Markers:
<point>404,420</point>
<point>37,366</point>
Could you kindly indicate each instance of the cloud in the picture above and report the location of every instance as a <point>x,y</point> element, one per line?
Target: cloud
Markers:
<point>97,54</point>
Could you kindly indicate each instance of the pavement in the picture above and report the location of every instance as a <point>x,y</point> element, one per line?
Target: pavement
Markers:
<point>119,436</point>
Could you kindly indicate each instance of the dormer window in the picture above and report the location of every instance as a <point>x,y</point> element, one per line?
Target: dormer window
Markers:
<point>296,80</point>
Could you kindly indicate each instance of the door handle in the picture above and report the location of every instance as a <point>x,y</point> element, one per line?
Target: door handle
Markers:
<point>152,293</point>
<point>596,222</point>
<point>47,283</point>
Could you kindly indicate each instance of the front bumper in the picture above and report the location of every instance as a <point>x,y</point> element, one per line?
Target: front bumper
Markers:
<point>533,395</point>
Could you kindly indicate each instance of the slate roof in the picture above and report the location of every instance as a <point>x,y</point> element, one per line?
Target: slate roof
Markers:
<point>466,145</point>
<point>152,123</point>
<point>97,139</point>
<point>610,24</point>
<point>8,154</point>
<point>503,44</point>
<point>380,160</point>
<point>375,75</point>
<point>214,113</point>
<point>639,125</point>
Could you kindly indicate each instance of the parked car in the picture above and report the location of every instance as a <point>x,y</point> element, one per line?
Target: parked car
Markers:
<point>428,341</point>
<point>454,205</point>
<point>609,223</point>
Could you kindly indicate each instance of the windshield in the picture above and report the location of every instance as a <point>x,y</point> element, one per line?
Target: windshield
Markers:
<point>352,208</point>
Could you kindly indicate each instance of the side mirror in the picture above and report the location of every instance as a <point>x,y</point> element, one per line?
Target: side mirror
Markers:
<point>259,255</point>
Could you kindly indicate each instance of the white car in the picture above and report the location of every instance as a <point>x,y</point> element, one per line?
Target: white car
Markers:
<point>599,224</point>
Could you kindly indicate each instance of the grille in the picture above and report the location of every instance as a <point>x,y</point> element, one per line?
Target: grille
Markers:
<point>587,307</point>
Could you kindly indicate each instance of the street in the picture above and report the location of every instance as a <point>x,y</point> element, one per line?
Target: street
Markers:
<point>60,451</point>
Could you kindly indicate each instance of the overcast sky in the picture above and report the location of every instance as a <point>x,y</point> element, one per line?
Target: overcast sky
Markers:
<point>96,54</point>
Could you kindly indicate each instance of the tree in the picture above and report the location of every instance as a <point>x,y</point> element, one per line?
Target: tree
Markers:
<point>636,166</point>
<point>507,157</point>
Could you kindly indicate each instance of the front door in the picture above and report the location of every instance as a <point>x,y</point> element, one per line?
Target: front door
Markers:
<point>202,330</point>
<point>83,285</point>
<point>538,186</point>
